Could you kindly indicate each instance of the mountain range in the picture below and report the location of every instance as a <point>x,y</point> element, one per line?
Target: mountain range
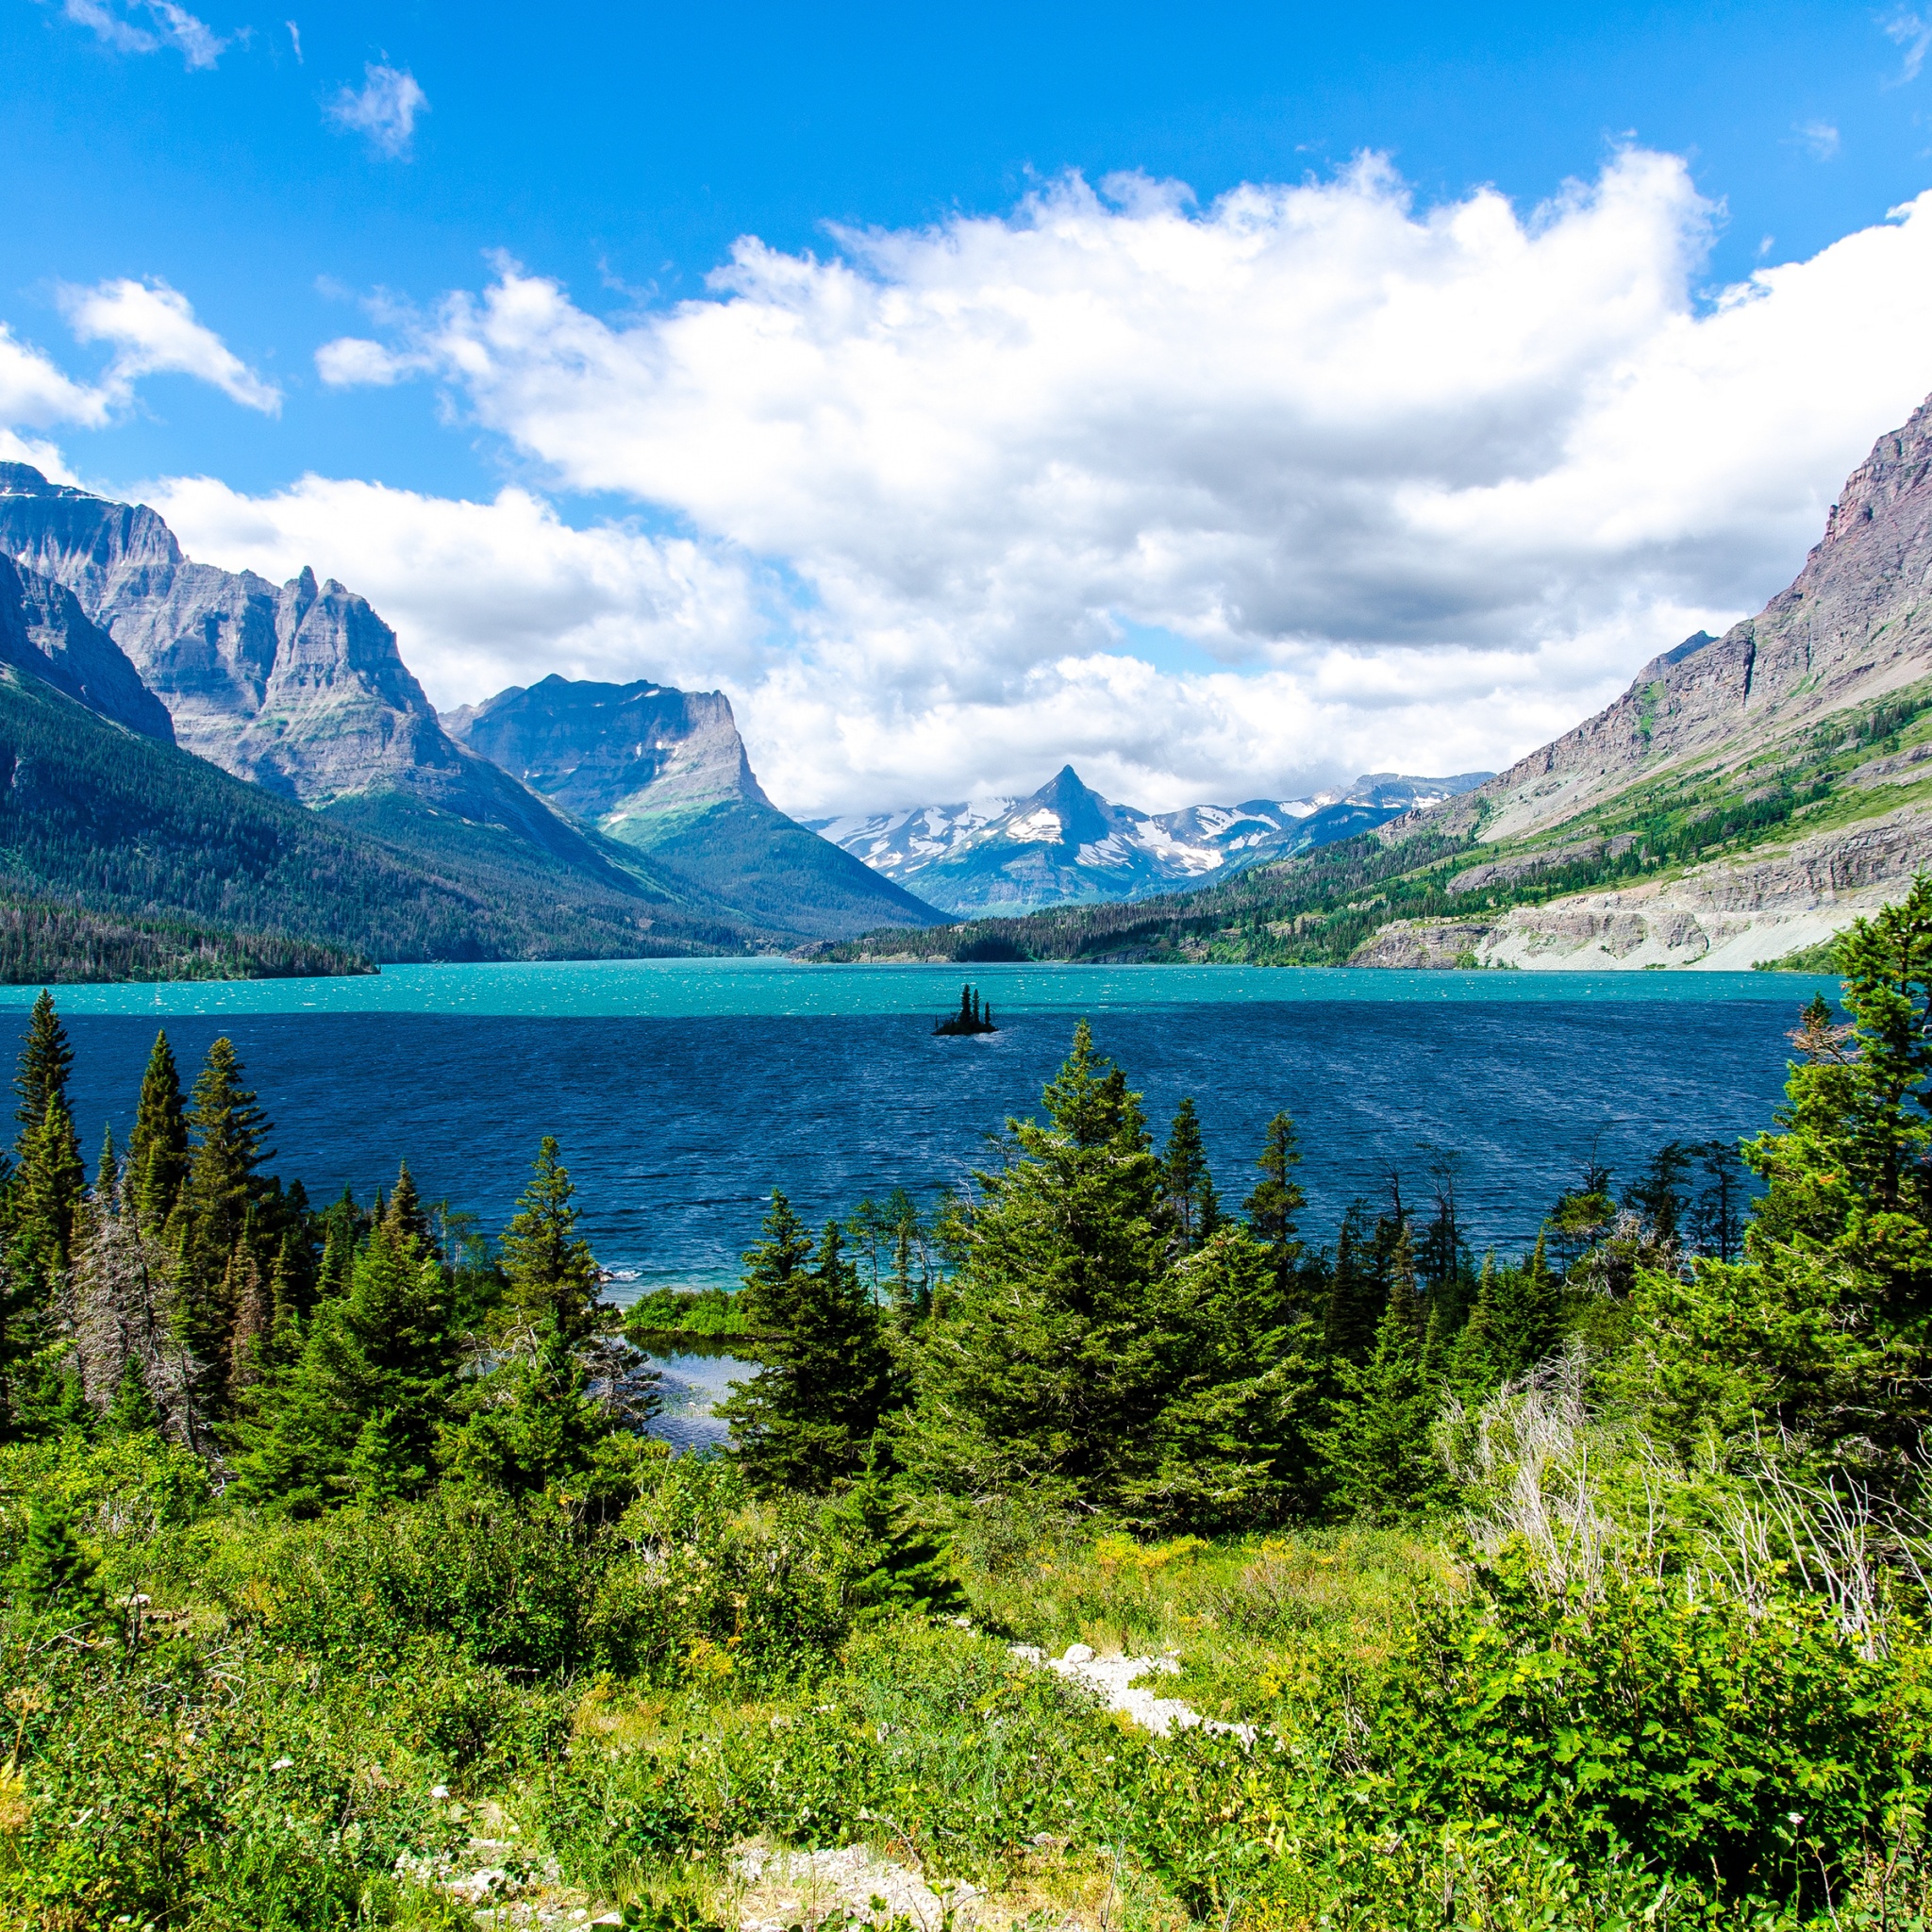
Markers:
<point>299,691</point>
<point>1067,845</point>
<point>1744,799</point>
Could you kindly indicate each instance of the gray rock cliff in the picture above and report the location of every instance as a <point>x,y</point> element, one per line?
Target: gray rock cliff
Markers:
<point>43,630</point>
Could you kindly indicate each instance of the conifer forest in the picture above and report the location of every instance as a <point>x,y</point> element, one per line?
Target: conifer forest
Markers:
<point>344,1583</point>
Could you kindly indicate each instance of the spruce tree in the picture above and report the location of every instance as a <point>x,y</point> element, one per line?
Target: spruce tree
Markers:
<point>132,1412</point>
<point>45,1061</point>
<point>229,1131</point>
<point>1045,1363</point>
<point>1232,1442</point>
<point>53,1573</point>
<point>157,1148</point>
<point>48,1184</point>
<point>1356,1291</point>
<point>1381,1462</point>
<point>1187,1187</point>
<point>1820,1338</point>
<point>552,1277</point>
<point>360,1413</point>
<point>404,1213</point>
<point>806,1419</point>
<point>1276,1203</point>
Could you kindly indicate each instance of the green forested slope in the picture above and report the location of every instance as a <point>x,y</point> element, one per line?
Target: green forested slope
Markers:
<point>106,823</point>
<point>1318,908</point>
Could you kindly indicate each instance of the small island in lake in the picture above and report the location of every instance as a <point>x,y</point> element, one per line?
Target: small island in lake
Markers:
<point>971,1017</point>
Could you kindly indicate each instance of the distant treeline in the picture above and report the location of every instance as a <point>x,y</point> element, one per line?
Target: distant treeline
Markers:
<point>48,944</point>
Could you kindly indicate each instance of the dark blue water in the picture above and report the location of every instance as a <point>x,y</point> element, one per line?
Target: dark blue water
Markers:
<point>675,1125</point>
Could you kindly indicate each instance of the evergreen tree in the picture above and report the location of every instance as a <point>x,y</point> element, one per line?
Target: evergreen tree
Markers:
<point>1821,1336</point>
<point>157,1148</point>
<point>1044,1363</point>
<point>1187,1187</point>
<point>898,1564</point>
<point>1232,1447</point>
<point>1276,1203</point>
<point>405,1214</point>
<point>53,1573</point>
<point>1381,1463</point>
<point>552,1277</point>
<point>222,1186</point>
<point>806,1420</point>
<point>48,1184</point>
<point>1716,1223</point>
<point>48,1178</point>
<point>1659,1194</point>
<point>360,1413</point>
<point>1357,1290</point>
<point>45,1061</point>
<point>132,1412</point>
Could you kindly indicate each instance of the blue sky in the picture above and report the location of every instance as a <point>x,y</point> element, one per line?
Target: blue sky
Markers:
<point>616,155</point>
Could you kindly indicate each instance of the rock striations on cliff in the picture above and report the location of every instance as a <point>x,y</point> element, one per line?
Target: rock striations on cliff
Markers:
<point>1811,695</point>
<point>43,630</point>
<point>297,687</point>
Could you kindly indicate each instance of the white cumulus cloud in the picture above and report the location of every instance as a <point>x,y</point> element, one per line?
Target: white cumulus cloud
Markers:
<point>35,391</point>
<point>154,331</point>
<point>488,594</point>
<point>384,108</point>
<point>1400,486</point>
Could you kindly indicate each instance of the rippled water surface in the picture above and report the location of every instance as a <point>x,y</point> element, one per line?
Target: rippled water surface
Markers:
<point>683,1091</point>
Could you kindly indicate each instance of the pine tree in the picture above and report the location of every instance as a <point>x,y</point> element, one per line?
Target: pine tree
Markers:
<point>553,1276</point>
<point>132,1412</point>
<point>1276,1200</point>
<point>360,1413</point>
<point>1356,1293</point>
<point>48,1185</point>
<point>1187,1187</point>
<point>1232,1447</point>
<point>906,1568</point>
<point>806,1419</point>
<point>157,1148</point>
<point>53,1573</point>
<point>1820,1338</point>
<point>213,1212</point>
<point>45,1061</point>
<point>1044,1363</point>
<point>1381,1463</point>
<point>405,1214</point>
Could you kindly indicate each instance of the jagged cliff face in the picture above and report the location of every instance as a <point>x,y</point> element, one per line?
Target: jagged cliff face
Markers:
<point>613,751</point>
<point>299,687</point>
<point>1856,625</point>
<point>43,630</point>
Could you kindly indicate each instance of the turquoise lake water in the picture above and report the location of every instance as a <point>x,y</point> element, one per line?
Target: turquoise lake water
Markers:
<point>683,1091</point>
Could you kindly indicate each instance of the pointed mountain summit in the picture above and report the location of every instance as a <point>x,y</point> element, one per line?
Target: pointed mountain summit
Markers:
<point>1067,845</point>
<point>663,773</point>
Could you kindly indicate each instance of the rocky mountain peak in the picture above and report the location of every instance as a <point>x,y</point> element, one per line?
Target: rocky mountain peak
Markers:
<point>598,749</point>
<point>1898,467</point>
<point>1854,626</point>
